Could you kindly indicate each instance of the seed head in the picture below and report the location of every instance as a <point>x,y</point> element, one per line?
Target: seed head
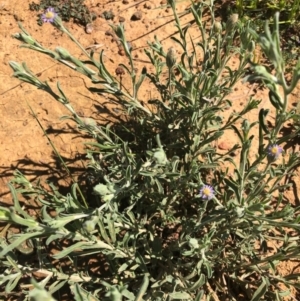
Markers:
<point>231,22</point>
<point>120,71</point>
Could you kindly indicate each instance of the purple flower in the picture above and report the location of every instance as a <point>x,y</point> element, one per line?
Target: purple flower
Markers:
<point>207,192</point>
<point>49,15</point>
<point>274,151</point>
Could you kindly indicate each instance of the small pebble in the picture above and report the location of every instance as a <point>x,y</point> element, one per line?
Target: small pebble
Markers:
<point>176,71</point>
<point>89,28</point>
<point>233,154</point>
<point>121,52</point>
<point>147,5</point>
<point>125,1</point>
<point>108,15</point>
<point>121,19</point>
<point>109,33</point>
<point>224,145</point>
<point>136,16</point>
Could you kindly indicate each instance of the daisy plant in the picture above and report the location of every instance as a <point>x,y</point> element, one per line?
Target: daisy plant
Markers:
<point>169,216</point>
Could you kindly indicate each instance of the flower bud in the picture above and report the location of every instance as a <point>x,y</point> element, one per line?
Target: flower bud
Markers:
<point>246,126</point>
<point>89,226</point>
<point>16,66</point>
<point>89,121</point>
<point>217,27</point>
<point>193,243</point>
<point>251,46</point>
<point>25,38</point>
<point>265,44</point>
<point>119,30</point>
<point>239,211</point>
<point>171,58</point>
<point>160,156</point>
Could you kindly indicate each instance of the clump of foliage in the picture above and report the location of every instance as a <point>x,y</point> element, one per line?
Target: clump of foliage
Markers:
<point>67,10</point>
<point>259,11</point>
<point>170,221</point>
<point>289,10</point>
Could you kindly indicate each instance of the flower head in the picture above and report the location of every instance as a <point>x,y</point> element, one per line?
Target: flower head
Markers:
<point>231,22</point>
<point>274,151</point>
<point>49,15</point>
<point>207,192</point>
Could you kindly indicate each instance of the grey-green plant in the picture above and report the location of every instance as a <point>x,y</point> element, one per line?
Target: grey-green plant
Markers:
<point>261,10</point>
<point>169,220</point>
<point>289,9</point>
